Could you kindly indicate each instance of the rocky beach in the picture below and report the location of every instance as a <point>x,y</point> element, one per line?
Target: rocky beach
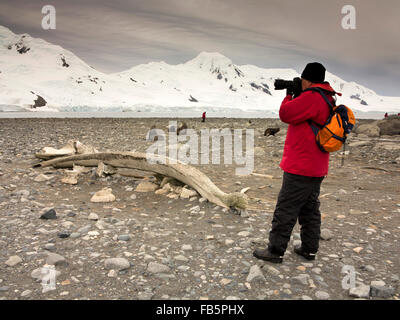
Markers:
<point>148,244</point>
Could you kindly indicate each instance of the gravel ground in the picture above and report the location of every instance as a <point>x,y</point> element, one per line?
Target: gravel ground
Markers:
<point>150,246</point>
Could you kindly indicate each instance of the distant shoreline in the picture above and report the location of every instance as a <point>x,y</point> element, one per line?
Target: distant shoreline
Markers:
<point>181,115</point>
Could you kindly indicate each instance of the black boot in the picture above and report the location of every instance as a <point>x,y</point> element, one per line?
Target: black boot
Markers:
<point>299,250</point>
<point>267,255</point>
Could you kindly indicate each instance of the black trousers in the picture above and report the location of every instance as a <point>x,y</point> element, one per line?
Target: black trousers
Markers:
<point>298,199</point>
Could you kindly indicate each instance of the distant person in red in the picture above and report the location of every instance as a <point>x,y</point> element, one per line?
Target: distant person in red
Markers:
<point>203,117</point>
<point>386,115</point>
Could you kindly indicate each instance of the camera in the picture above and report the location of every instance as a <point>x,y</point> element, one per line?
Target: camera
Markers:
<point>293,86</point>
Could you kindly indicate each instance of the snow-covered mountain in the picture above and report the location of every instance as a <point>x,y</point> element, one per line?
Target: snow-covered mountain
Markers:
<point>38,76</point>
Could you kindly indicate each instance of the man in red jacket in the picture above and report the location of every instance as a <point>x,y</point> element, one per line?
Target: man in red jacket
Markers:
<point>304,166</point>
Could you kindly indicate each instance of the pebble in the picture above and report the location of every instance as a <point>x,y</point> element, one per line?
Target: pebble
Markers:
<point>301,279</point>
<point>75,235</point>
<point>296,243</point>
<point>147,295</point>
<point>369,268</point>
<point>50,246</point>
<point>93,216</point>
<point>255,274</point>
<point>326,234</point>
<point>358,249</point>
<point>187,247</point>
<point>322,295</point>
<point>273,271</point>
<point>85,229</point>
<point>148,258</point>
<point>67,224</point>
<point>181,258</point>
<point>195,209</point>
<point>112,273</point>
<point>13,261</point>
<point>244,214</point>
<point>183,268</point>
<point>64,234</point>
<point>49,215</point>
<point>124,237</point>
<point>316,270</point>
<point>55,259</point>
<point>116,264</point>
<point>26,293</point>
<point>225,281</point>
<point>244,233</point>
<point>155,267</point>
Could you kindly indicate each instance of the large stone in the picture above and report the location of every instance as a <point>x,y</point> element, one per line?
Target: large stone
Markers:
<point>146,186</point>
<point>187,193</point>
<point>155,267</point>
<point>255,274</point>
<point>70,178</point>
<point>379,290</point>
<point>116,264</point>
<point>13,261</point>
<point>56,259</point>
<point>389,126</point>
<point>361,291</point>
<point>104,195</point>
<point>371,130</point>
<point>301,279</point>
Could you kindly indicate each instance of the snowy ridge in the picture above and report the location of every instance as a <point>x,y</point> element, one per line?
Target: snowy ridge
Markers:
<point>38,76</point>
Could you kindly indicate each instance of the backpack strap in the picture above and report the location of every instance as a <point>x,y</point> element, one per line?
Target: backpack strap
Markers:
<point>321,92</point>
<point>314,125</point>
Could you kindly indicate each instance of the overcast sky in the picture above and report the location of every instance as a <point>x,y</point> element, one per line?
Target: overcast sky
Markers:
<point>114,35</point>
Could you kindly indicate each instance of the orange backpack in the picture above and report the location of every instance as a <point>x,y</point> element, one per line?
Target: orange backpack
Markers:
<point>332,135</point>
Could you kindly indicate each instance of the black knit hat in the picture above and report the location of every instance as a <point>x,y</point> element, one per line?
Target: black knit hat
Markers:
<point>314,72</point>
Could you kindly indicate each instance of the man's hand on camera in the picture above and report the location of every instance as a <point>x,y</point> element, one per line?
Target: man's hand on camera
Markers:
<point>289,92</point>
<point>296,92</point>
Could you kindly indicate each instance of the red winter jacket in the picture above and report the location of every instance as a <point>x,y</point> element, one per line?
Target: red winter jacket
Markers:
<point>301,154</point>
